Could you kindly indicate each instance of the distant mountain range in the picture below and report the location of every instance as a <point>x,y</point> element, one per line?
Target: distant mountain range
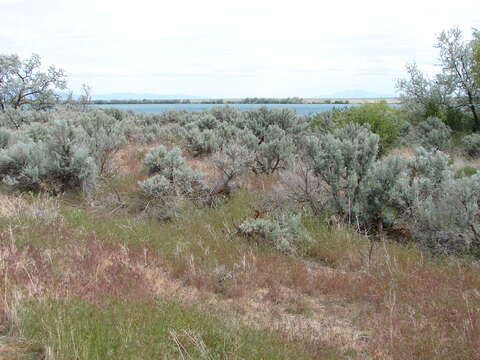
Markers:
<point>356,94</point>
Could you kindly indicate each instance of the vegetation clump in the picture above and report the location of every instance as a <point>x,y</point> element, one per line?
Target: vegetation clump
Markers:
<point>465,171</point>
<point>342,160</point>
<point>471,144</point>
<point>170,175</point>
<point>285,233</point>
<point>340,195</point>
<point>384,120</point>
<point>433,134</point>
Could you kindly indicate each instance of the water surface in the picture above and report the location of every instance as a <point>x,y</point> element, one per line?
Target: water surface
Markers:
<point>301,109</point>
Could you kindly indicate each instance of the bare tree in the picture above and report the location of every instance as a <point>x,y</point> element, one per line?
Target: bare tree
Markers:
<point>455,87</point>
<point>457,61</point>
<point>23,83</point>
<point>476,55</point>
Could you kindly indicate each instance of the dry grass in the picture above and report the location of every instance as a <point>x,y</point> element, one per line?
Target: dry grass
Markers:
<point>345,296</point>
<point>403,151</point>
<point>460,162</point>
<point>41,207</point>
<point>416,306</point>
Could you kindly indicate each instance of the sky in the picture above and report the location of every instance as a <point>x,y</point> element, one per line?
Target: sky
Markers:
<point>221,48</point>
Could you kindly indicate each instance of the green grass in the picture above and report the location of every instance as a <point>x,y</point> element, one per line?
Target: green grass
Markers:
<point>150,330</point>
<point>411,303</point>
<point>201,232</point>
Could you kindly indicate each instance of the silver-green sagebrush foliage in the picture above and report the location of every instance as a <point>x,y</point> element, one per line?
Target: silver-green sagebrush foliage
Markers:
<point>377,193</point>
<point>441,210</point>
<point>16,118</point>
<point>275,133</point>
<point>105,136</point>
<point>171,183</point>
<point>170,175</point>
<point>449,223</point>
<point>338,167</point>
<point>420,193</point>
<point>161,160</point>
<point>342,160</point>
<point>269,133</point>
<point>234,160</point>
<point>421,178</point>
<point>432,134</point>
<point>58,150</point>
<point>4,138</point>
<point>471,144</point>
<point>60,158</point>
<point>285,232</point>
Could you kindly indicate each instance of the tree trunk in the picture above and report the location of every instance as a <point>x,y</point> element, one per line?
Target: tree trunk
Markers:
<point>471,104</point>
<point>475,117</point>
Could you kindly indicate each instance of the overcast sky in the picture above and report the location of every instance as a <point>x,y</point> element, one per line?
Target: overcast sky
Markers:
<point>232,48</point>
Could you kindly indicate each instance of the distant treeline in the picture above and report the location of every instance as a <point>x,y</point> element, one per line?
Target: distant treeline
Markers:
<point>159,101</point>
<point>254,100</point>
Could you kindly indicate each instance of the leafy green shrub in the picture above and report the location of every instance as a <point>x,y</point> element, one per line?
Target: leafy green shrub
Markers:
<point>384,120</point>
<point>456,119</point>
<point>285,233</point>
<point>471,144</point>
<point>465,171</point>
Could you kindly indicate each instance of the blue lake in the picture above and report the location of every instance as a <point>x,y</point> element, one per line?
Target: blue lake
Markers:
<point>301,109</point>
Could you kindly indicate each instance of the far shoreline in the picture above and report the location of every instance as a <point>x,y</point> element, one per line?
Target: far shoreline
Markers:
<point>265,101</point>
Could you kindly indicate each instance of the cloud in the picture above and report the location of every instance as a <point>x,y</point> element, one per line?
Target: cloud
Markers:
<point>10,2</point>
<point>220,48</point>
